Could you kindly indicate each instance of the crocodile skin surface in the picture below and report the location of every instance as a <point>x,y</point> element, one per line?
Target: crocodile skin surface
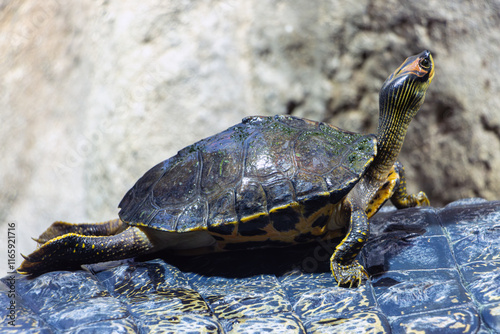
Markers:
<point>431,271</point>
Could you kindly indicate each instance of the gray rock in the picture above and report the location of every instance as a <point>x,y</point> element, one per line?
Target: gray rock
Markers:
<point>96,93</point>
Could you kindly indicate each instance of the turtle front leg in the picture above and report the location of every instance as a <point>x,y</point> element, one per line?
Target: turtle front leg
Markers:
<point>400,198</point>
<point>343,265</point>
<point>394,188</point>
<point>71,250</point>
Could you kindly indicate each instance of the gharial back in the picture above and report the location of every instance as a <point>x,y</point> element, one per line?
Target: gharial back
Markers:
<point>249,173</point>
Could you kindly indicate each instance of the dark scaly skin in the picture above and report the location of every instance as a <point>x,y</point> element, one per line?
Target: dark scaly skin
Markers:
<point>343,264</point>
<point>401,199</point>
<point>61,250</point>
<point>400,99</point>
<point>59,228</point>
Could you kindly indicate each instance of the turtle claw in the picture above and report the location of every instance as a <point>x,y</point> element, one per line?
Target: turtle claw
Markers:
<point>47,255</point>
<point>39,241</point>
<point>29,266</point>
<point>42,260</point>
<point>26,268</point>
<point>422,199</point>
<point>351,274</point>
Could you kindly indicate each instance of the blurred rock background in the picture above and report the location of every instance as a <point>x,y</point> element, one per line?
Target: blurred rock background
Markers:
<point>95,93</point>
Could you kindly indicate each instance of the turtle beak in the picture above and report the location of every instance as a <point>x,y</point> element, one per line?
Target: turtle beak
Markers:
<point>406,87</point>
<point>421,65</point>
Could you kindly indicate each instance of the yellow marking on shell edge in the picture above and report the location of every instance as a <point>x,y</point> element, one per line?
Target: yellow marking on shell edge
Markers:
<point>252,217</point>
<point>294,205</point>
<point>302,227</point>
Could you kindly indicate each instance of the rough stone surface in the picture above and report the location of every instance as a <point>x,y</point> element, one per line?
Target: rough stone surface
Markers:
<point>95,93</point>
<point>431,271</point>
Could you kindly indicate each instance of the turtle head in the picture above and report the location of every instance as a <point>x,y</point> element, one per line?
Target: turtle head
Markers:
<point>403,92</point>
<point>400,99</point>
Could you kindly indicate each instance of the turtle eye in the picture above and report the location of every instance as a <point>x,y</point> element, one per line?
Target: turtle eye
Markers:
<point>425,62</point>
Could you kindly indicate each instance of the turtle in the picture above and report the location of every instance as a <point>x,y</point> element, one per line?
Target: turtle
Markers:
<point>269,181</point>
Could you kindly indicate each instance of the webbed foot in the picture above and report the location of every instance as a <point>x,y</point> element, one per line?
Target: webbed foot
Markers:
<point>409,201</point>
<point>51,255</point>
<point>351,274</point>
<point>421,199</point>
<point>71,250</point>
<point>401,199</point>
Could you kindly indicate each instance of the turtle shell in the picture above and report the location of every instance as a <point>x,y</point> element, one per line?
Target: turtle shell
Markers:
<point>264,171</point>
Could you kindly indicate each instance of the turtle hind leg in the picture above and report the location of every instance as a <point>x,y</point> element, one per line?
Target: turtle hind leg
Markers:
<point>59,228</point>
<point>400,198</point>
<point>71,250</point>
<point>345,269</point>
